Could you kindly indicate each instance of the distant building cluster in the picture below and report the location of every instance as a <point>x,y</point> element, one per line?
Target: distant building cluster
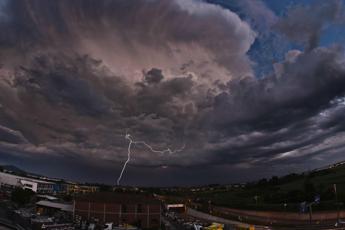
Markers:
<point>43,186</point>
<point>205,188</point>
<point>87,208</point>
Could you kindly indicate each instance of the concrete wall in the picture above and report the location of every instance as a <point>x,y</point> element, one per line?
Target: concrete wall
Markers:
<point>113,212</point>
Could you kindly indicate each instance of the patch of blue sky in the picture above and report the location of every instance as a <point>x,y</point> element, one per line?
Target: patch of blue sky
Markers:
<point>334,34</point>
<point>3,13</point>
<point>270,47</point>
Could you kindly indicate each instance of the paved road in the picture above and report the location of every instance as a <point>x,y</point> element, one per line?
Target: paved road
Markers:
<point>206,216</point>
<point>167,223</point>
<point>4,228</point>
<point>211,218</point>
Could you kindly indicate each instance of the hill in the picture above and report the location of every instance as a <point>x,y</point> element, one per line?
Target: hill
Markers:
<point>277,193</point>
<point>13,169</point>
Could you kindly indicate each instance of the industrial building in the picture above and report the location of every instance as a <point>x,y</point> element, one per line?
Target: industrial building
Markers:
<point>119,209</point>
<point>35,185</point>
<point>77,188</point>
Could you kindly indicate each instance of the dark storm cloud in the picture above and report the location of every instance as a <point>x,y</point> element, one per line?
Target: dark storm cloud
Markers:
<point>318,74</point>
<point>154,76</point>
<point>11,136</point>
<point>306,23</point>
<point>159,98</point>
<point>169,73</point>
<point>64,80</point>
<point>160,31</point>
<point>265,118</point>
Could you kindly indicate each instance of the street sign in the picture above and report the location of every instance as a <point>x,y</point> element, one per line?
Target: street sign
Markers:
<point>303,207</point>
<point>317,199</point>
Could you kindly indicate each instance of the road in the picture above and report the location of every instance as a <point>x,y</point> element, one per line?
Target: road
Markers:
<point>205,216</point>
<point>4,228</point>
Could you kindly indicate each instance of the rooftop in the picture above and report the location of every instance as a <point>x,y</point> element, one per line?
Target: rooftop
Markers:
<point>24,178</point>
<point>62,206</point>
<point>47,197</point>
<point>112,197</point>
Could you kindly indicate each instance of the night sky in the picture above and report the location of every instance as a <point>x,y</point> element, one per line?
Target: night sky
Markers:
<point>251,88</point>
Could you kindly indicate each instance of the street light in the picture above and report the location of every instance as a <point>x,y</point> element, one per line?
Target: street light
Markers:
<point>256,198</point>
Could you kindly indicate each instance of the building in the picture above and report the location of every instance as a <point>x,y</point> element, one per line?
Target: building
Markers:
<point>177,208</point>
<point>60,187</point>
<point>38,186</point>
<point>118,208</point>
<point>77,188</point>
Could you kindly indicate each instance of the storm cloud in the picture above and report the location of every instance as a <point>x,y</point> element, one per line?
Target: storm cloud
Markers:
<point>76,76</point>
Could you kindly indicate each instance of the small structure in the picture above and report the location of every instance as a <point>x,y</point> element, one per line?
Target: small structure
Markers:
<point>39,221</point>
<point>48,207</point>
<point>178,208</point>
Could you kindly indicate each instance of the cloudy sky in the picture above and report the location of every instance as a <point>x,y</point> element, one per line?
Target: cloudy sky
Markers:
<point>250,88</point>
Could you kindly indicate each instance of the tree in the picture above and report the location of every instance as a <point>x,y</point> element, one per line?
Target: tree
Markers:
<point>294,196</point>
<point>274,180</point>
<point>263,182</point>
<point>105,188</point>
<point>21,196</point>
<point>309,190</point>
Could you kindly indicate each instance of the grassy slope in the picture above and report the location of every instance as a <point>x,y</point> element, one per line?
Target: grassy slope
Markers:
<point>273,196</point>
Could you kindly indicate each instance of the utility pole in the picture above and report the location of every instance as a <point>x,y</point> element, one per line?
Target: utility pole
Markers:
<point>310,212</point>
<point>209,207</point>
<point>336,201</point>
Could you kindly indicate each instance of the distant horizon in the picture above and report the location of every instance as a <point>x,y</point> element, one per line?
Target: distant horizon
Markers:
<point>173,186</point>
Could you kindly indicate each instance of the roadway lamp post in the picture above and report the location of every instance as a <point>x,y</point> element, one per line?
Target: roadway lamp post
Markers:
<point>256,198</point>
<point>310,212</point>
<point>310,205</point>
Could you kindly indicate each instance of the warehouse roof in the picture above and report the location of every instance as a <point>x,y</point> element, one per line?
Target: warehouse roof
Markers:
<point>17,177</point>
<point>47,197</point>
<point>112,197</point>
<point>62,206</point>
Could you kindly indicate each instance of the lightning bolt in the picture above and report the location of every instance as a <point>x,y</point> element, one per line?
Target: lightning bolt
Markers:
<point>131,141</point>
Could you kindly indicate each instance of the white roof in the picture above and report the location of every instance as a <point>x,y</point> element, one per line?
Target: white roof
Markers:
<point>61,206</point>
<point>175,206</point>
<point>48,197</point>
<point>24,178</point>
